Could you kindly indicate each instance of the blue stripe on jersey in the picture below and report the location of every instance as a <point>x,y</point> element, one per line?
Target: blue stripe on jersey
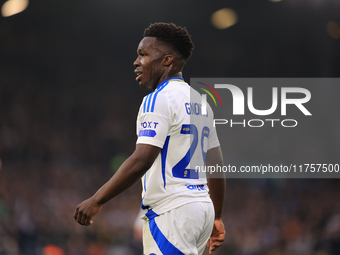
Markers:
<point>149,100</point>
<point>144,206</point>
<point>145,181</point>
<point>146,106</point>
<point>163,244</point>
<point>164,153</point>
<point>151,214</point>
<point>156,93</point>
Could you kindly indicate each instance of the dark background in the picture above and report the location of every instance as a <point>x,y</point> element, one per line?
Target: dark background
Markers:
<point>68,106</point>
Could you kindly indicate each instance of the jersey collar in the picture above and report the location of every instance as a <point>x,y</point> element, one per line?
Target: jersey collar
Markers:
<point>166,82</point>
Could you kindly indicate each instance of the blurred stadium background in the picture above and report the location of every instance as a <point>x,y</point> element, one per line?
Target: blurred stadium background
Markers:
<point>69,100</point>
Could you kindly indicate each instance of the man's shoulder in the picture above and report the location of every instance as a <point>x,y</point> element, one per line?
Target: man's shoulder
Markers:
<point>176,90</point>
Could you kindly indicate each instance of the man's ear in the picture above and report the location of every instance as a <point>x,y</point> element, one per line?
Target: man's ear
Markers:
<point>167,60</point>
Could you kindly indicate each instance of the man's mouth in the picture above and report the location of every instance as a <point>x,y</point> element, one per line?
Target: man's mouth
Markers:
<point>139,75</point>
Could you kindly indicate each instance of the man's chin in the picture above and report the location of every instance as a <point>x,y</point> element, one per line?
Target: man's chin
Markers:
<point>142,85</point>
<point>145,85</point>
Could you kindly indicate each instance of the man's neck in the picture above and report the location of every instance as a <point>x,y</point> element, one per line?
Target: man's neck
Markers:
<point>167,77</point>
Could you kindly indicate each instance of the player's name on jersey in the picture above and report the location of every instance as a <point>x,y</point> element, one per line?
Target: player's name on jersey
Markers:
<point>194,109</point>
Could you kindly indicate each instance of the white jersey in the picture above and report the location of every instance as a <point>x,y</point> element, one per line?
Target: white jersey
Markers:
<point>171,119</point>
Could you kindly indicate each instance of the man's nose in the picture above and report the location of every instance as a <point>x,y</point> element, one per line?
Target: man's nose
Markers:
<point>137,62</point>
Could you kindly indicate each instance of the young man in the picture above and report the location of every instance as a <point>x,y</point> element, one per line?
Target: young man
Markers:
<point>172,139</point>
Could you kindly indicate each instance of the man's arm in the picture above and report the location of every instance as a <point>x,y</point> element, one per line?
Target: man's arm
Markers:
<point>217,190</point>
<point>128,174</point>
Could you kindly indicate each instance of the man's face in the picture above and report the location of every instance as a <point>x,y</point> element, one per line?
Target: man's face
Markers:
<point>149,67</point>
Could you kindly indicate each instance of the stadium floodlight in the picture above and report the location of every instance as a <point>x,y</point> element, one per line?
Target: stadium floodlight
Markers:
<point>12,7</point>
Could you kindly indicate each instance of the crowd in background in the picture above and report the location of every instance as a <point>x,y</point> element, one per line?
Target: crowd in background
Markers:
<point>265,216</point>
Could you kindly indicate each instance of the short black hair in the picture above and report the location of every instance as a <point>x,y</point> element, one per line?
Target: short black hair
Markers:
<point>174,36</point>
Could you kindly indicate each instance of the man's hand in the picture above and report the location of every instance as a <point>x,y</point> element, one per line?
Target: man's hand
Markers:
<point>128,174</point>
<point>217,236</point>
<point>85,211</point>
